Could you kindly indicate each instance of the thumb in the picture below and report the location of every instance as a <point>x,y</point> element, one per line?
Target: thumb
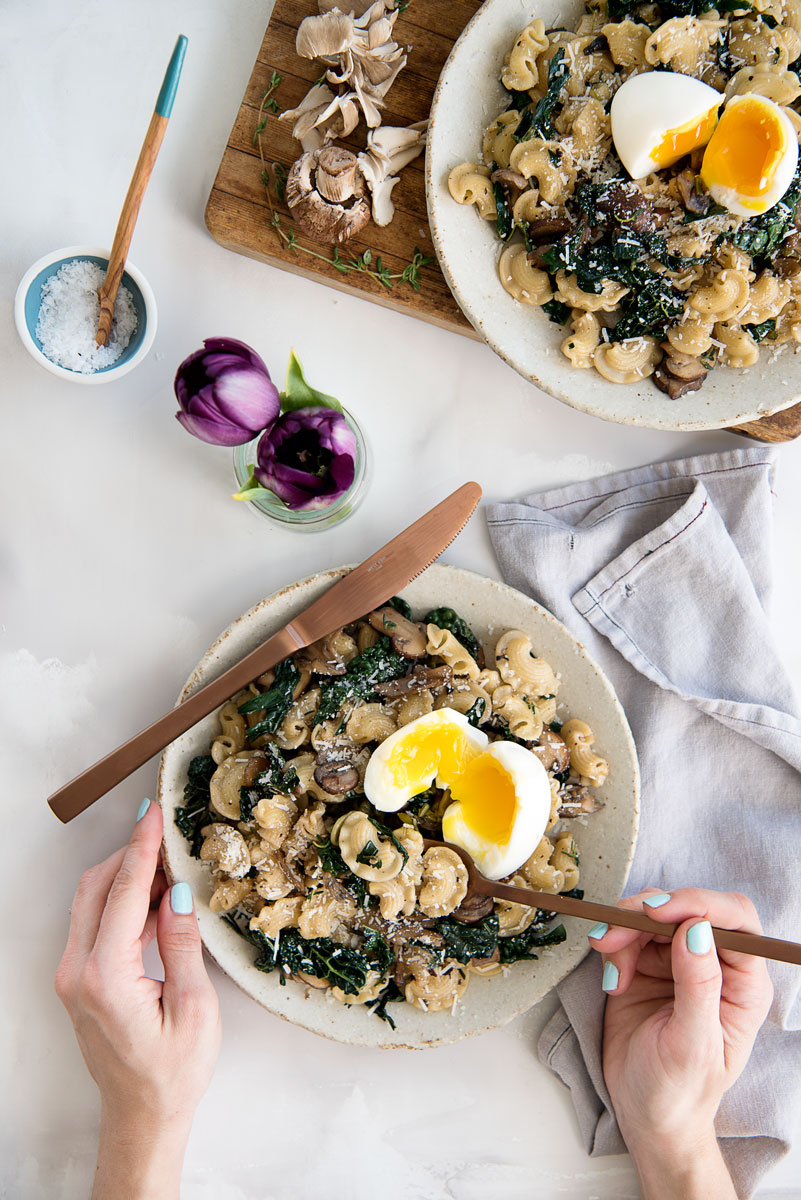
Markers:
<point>180,948</point>
<point>697,982</point>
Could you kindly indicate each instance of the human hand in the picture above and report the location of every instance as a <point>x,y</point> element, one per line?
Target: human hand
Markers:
<point>680,1023</point>
<point>150,1046</point>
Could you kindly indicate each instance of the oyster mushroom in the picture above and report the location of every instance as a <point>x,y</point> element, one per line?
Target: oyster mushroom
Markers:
<point>407,638</point>
<point>325,193</point>
<point>389,150</point>
<point>322,116</point>
<point>359,51</point>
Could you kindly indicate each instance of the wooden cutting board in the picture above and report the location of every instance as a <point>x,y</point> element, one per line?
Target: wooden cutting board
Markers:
<point>241,210</point>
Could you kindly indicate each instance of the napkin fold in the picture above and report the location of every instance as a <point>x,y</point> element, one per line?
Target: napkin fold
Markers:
<point>664,573</point>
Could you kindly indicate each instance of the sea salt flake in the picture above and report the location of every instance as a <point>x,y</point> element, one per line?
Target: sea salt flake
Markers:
<point>67,324</point>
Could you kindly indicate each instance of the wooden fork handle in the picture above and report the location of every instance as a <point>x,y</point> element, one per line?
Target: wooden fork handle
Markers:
<point>588,910</point>
<point>95,781</point>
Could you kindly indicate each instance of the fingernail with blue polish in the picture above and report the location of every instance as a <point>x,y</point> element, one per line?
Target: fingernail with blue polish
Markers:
<point>658,900</point>
<point>181,898</point>
<point>143,807</point>
<point>598,931</point>
<point>611,977</point>
<point>699,938</point>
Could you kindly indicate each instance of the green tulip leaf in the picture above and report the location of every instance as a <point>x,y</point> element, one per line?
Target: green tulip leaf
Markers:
<point>252,490</point>
<point>298,394</point>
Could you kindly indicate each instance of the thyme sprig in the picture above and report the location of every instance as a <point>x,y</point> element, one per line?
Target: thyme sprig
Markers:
<point>363,263</point>
<point>268,104</point>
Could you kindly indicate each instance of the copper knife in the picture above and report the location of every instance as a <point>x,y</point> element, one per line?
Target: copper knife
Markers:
<point>361,590</point>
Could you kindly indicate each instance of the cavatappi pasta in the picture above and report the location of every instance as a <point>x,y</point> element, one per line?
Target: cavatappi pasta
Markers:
<point>648,276</point>
<point>337,895</point>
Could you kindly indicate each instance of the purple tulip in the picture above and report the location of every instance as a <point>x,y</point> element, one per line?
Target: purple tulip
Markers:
<point>225,393</point>
<point>307,458</point>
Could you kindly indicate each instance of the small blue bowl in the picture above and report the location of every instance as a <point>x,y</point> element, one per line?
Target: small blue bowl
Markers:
<point>29,298</point>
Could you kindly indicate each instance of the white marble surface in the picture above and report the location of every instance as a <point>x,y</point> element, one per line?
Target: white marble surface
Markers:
<point>122,556</point>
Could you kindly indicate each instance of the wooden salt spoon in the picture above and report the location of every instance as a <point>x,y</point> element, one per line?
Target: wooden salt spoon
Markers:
<point>107,292</point>
<point>588,910</point>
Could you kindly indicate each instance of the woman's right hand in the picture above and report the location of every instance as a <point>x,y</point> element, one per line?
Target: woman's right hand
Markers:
<point>150,1046</point>
<point>680,1024</point>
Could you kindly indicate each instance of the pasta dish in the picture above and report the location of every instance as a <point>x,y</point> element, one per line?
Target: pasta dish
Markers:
<point>643,181</point>
<point>310,811</point>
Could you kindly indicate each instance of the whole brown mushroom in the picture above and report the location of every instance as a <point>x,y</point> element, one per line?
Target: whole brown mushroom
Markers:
<point>325,193</point>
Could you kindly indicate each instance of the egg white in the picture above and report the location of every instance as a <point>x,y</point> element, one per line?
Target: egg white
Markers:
<point>533,809</point>
<point>649,106</point>
<point>380,787</point>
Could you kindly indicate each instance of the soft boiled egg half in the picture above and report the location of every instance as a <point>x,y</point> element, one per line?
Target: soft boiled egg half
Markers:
<point>751,157</point>
<point>658,117</point>
<point>501,794</point>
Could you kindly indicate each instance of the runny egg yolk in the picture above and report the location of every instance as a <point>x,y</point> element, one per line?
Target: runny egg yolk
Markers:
<point>684,138</point>
<point>745,149</point>
<point>440,750</point>
<point>479,781</point>
<point>488,798</point>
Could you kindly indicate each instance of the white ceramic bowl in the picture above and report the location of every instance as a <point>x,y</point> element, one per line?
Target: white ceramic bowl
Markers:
<point>29,298</point>
<point>606,842</point>
<point>468,97</point>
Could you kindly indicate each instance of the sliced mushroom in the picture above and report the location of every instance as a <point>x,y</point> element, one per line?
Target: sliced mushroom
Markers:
<point>542,232</point>
<point>694,196</point>
<point>482,965</point>
<point>598,45</point>
<point>330,169</point>
<point>552,751</point>
<point>672,387</point>
<point>408,638</point>
<point>336,777</point>
<point>787,267</point>
<point>473,908</point>
<point>434,678</point>
<point>511,181</point>
<point>628,205</point>
<point>576,801</point>
<point>679,373</point>
<point>545,229</point>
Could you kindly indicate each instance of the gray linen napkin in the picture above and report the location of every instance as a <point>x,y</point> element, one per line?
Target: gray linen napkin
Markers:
<point>664,574</point>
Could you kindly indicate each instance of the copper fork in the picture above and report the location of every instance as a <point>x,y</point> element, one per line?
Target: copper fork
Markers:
<point>589,910</point>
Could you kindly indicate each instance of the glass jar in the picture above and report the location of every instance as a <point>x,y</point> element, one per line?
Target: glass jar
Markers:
<point>306,520</point>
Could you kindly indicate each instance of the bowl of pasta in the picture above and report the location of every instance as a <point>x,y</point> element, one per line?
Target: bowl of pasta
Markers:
<point>329,911</point>
<point>638,300</point>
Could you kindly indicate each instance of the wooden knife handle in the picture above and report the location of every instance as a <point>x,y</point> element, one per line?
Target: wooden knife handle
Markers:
<point>95,781</point>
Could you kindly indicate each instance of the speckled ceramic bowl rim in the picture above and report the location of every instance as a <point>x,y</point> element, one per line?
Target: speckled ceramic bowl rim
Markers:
<point>114,371</point>
<point>655,412</point>
<point>569,954</point>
